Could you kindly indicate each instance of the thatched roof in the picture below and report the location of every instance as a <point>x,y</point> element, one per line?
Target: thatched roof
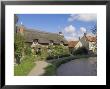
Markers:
<point>43,37</point>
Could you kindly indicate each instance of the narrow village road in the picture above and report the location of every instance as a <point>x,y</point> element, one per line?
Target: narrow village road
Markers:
<point>79,67</point>
<point>38,69</point>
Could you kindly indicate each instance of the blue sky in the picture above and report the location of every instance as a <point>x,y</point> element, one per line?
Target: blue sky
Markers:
<point>72,25</point>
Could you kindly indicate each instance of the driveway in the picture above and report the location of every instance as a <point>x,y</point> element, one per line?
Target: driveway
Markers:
<point>79,67</point>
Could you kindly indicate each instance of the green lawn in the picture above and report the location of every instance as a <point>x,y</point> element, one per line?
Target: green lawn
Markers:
<point>25,67</point>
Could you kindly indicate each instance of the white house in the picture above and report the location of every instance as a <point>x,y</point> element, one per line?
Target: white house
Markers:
<point>90,42</point>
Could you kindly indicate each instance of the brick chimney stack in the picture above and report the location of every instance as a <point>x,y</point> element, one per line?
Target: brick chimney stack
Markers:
<point>60,33</point>
<point>85,34</point>
<point>21,29</point>
<point>79,38</point>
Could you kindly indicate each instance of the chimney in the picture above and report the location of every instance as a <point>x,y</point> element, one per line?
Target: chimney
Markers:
<point>60,33</point>
<point>21,29</point>
<point>85,34</point>
<point>79,38</point>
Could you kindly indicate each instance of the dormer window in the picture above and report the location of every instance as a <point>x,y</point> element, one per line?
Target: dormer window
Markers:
<point>35,41</point>
<point>51,42</point>
<point>61,43</point>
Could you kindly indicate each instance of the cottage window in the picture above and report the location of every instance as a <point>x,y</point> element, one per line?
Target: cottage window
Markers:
<point>35,41</point>
<point>38,51</point>
<point>51,42</point>
<point>61,43</point>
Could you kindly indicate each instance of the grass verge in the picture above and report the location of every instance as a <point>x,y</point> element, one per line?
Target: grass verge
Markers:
<point>50,70</point>
<point>25,67</point>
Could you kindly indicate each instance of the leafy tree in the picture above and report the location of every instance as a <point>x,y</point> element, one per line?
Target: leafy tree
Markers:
<point>18,46</point>
<point>16,18</point>
<point>94,30</point>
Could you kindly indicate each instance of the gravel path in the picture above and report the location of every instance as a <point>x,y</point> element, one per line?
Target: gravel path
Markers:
<point>79,67</point>
<point>38,69</point>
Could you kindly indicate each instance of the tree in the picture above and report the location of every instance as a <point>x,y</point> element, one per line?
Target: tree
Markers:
<point>94,30</point>
<point>18,47</point>
<point>16,18</point>
<point>15,22</point>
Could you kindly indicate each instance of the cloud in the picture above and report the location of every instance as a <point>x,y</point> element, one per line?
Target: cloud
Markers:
<point>83,29</point>
<point>71,33</point>
<point>72,17</point>
<point>83,17</point>
<point>70,29</point>
<point>71,38</point>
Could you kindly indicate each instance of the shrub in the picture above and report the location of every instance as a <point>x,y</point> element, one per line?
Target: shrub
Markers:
<point>49,57</point>
<point>55,57</point>
<point>18,47</point>
<point>80,51</point>
<point>27,50</point>
<point>58,51</point>
<point>64,55</point>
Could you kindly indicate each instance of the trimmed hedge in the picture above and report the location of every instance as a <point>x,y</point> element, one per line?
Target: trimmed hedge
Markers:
<point>64,55</point>
<point>56,57</point>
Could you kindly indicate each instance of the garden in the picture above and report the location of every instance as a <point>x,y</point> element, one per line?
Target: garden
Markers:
<point>56,55</point>
<point>24,57</point>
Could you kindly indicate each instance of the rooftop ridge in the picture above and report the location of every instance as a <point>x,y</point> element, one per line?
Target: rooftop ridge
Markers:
<point>36,30</point>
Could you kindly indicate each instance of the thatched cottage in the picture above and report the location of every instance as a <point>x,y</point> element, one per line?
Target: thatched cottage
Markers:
<point>37,37</point>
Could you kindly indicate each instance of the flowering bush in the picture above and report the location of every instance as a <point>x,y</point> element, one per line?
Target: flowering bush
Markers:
<point>58,51</point>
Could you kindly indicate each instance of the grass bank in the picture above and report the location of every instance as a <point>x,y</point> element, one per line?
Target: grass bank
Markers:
<point>25,67</point>
<point>51,69</point>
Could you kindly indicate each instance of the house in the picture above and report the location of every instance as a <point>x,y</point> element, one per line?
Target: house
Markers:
<point>71,45</point>
<point>40,38</point>
<point>89,42</point>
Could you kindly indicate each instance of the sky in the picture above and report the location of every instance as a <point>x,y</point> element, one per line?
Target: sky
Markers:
<point>72,26</point>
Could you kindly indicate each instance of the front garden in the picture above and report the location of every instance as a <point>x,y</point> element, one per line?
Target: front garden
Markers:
<point>54,54</point>
<point>25,57</point>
